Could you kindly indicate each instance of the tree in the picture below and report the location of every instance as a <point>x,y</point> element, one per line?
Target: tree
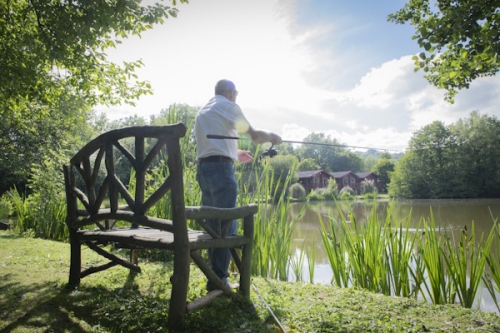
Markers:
<point>285,149</point>
<point>458,161</point>
<point>307,164</point>
<point>53,70</point>
<point>324,156</point>
<point>433,149</point>
<point>347,160</point>
<point>383,168</point>
<point>370,161</point>
<point>284,170</point>
<point>479,140</point>
<point>408,179</point>
<point>461,40</point>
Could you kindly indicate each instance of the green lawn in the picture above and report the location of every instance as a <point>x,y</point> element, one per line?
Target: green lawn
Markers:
<point>34,298</point>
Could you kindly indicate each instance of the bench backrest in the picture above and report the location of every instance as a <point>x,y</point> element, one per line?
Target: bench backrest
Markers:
<point>85,184</point>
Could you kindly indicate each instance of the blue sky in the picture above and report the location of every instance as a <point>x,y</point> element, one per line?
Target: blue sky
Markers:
<point>300,66</point>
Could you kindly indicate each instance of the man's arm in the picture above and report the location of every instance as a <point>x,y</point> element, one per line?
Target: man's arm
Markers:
<point>259,136</point>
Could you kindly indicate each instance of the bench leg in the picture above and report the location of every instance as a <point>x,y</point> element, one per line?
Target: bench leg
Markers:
<point>134,258</point>
<point>246,269</point>
<point>76,259</point>
<point>179,280</point>
<point>246,257</point>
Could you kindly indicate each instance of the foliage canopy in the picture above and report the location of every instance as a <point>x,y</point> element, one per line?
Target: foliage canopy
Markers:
<point>456,161</point>
<point>53,70</point>
<point>461,40</point>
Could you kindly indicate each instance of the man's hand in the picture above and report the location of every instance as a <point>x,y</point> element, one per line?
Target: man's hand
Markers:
<point>276,139</point>
<point>244,156</point>
<point>260,136</point>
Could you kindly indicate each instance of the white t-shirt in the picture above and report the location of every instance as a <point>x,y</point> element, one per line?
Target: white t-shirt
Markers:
<point>219,116</point>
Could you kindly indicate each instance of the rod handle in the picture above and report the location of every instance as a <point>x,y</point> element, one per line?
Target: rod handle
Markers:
<point>215,136</point>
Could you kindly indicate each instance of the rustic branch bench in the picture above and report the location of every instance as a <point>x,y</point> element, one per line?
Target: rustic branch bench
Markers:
<point>88,186</point>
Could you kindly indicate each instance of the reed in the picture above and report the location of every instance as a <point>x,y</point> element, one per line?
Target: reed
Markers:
<point>5,207</point>
<point>273,226</point>
<point>466,262</point>
<point>367,252</point>
<point>389,258</point>
<point>492,280</point>
<point>417,273</point>
<point>25,219</point>
<point>41,216</point>
<point>311,259</point>
<point>400,246</point>
<point>336,252</point>
<point>297,262</point>
<point>437,281</point>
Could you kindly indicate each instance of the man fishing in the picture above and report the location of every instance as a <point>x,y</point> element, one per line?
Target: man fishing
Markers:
<point>215,171</point>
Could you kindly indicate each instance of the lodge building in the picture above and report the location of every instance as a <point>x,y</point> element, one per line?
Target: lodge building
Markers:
<point>312,180</point>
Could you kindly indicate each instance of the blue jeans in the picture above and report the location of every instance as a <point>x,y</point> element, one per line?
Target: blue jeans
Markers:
<point>219,189</point>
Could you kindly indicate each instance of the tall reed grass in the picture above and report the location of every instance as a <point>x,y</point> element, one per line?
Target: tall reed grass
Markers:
<point>492,278</point>
<point>273,227</point>
<point>466,262</point>
<point>437,280</point>
<point>40,216</point>
<point>389,258</point>
<point>311,261</point>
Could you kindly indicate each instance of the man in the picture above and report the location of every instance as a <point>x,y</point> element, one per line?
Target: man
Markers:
<point>215,172</point>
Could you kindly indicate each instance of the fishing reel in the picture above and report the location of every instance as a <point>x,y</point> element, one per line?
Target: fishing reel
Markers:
<point>271,152</point>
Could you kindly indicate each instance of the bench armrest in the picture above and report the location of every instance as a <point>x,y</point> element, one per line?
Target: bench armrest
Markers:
<point>205,212</point>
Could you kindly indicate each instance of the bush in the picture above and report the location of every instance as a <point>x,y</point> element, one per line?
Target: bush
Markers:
<point>368,186</point>
<point>315,196</point>
<point>331,191</point>
<point>370,195</point>
<point>6,208</point>
<point>346,193</point>
<point>298,191</point>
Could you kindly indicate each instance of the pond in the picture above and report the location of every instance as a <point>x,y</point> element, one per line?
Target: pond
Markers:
<point>450,214</point>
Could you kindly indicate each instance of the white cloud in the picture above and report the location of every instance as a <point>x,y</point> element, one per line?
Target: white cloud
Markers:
<point>279,71</point>
<point>294,132</point>
<point>245,41</point>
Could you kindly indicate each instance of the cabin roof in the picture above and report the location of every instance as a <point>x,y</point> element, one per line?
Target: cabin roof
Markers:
<point>340,174</point>
<point>307,174</point>
<point>364,174</point>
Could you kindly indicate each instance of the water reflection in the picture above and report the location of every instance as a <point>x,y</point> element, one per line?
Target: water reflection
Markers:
<point>450,214</point>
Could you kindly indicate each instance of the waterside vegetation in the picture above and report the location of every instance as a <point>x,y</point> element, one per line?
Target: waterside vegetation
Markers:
<point>378,256</point>
<point>390,258</point>
<point>34,298</point>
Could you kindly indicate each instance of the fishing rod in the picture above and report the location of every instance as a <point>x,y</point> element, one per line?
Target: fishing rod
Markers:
<point>276,320</point>
<point>271,152</point>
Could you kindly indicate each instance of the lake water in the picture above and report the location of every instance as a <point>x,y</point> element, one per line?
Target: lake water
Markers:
<point>450,214</point>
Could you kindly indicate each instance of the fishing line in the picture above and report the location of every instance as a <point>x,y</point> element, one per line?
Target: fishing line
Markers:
<point>214,136</point>
<point>276,320</point>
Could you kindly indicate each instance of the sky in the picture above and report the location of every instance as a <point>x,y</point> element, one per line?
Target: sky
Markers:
<point>300,67</point>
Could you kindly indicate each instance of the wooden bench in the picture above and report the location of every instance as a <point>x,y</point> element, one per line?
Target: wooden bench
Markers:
<point>91,180</point>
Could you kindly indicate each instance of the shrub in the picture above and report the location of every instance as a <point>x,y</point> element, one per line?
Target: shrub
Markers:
<point>346,193</point>
<point>331,191</point>
<point>368,186</point>
<point>315,196</point>
<point>298,191</point>
<point>370,195</point>
<point>6,208</point>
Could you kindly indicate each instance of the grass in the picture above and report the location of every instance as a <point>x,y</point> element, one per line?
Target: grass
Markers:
<point>381,257</point>
<point>34,298</point>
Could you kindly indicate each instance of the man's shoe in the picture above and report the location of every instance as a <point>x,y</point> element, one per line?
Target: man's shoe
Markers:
<point>232,285</point>
<point>211,287</point>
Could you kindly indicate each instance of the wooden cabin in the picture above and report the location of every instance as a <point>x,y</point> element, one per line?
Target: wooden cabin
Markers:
<point>313,179</point>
